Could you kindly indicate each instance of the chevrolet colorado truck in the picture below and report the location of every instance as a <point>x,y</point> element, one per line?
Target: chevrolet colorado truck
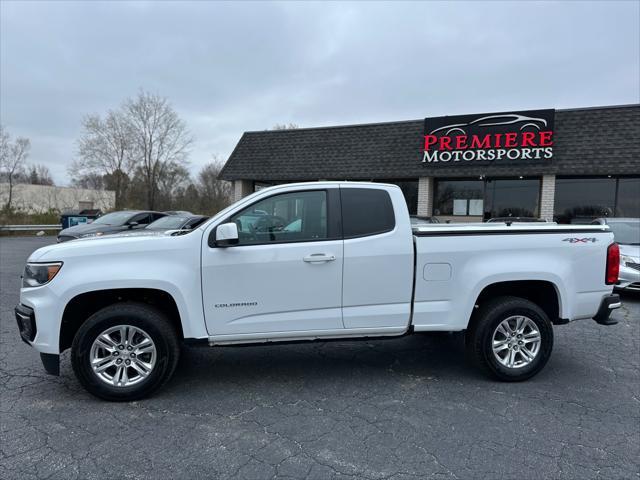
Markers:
<point>311,261</point>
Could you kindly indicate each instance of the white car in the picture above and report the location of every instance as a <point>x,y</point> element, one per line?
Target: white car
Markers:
<point>626,233</point>
<point>331,260</point>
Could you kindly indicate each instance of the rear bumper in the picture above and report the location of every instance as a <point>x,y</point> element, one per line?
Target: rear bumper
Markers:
<point>608,304</point>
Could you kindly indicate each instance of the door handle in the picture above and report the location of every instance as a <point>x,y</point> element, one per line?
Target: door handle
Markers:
<point>319,258</point>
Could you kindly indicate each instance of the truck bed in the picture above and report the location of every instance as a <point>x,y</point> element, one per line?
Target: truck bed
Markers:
<point>455,262</point>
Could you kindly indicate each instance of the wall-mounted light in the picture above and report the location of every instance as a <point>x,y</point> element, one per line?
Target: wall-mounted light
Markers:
<point>521,177</point>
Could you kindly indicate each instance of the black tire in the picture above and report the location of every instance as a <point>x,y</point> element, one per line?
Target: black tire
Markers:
<point>139,315</point>
<point>480,335</point>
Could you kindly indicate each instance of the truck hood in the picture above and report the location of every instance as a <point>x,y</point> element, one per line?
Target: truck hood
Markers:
<point>88,228</point>
<point>108,244</point>
<point>630,250</point>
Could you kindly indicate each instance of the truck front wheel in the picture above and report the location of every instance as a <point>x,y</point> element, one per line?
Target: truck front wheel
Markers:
<point>125,352</point>
<point>510,338</point>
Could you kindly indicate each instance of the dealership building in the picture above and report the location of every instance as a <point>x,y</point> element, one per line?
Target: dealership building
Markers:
<point>566,165</point>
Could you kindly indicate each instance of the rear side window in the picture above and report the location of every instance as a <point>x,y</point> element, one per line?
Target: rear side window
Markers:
<point>366,211</point>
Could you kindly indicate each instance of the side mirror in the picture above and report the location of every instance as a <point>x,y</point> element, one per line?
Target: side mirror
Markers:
<point>132,224</point>
<point>227,234</point>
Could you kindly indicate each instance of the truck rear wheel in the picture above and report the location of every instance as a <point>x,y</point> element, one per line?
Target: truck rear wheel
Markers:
<point>510,338</point>
<point>125,352</point>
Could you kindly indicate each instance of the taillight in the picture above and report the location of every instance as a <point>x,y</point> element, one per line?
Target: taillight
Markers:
<point>613,264</point>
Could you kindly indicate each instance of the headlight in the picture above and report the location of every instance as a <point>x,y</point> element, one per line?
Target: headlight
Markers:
<point>98,234</point>
<point>38,274</point>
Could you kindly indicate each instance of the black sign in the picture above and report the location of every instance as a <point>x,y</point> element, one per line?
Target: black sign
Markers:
<point>523,137</point>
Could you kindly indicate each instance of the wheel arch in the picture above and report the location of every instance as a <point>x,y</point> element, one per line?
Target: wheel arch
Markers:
<point>83,305</point>
<point>545,294</point>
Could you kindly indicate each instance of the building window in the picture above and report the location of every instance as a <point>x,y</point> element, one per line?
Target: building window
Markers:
<point>579,200</point>
<point>409,190</point>
<point>512,198</point>
<point>459,197</point>
<point>628,201</point>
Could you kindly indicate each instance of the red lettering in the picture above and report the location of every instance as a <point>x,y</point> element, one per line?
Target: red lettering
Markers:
<point>429,140</point>
<point>545,139</point>
<point>484,143</point>
<point>461,142</point>
<point>498,139</point>
<point>510,139</point>
<point>528,139</point>
<point>445,143</point>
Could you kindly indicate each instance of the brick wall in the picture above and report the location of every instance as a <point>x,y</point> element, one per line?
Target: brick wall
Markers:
<point>547,196</point>
<point>425,196</point>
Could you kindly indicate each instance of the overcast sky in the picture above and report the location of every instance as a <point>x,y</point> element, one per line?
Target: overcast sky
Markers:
<point>228,68</point>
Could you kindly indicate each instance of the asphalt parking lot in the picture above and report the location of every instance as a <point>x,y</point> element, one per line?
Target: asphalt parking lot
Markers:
<point>405,408</point>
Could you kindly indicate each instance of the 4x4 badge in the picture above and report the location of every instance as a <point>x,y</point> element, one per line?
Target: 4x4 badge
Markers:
<point>580,240</point>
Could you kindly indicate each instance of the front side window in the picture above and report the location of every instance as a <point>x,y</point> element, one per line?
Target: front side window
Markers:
<point>289,217</point>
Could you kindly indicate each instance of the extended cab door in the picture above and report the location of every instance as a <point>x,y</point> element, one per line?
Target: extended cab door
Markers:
<point>285,274</point>
<point>378,257</point>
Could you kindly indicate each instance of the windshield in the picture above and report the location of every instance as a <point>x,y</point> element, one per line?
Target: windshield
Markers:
<point>626,233</point>
<point>115,218</point>
<point>169,222</point>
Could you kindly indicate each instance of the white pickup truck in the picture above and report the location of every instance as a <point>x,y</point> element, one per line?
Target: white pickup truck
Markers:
<point>311,261</point>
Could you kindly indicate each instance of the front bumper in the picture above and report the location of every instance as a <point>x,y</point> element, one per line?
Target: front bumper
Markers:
<point>608,304</point>
<point>26,318</point>
<point>629,287</point>
<point>27,326</point>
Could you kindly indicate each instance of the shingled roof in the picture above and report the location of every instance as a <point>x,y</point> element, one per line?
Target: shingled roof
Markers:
<point>587,141</point>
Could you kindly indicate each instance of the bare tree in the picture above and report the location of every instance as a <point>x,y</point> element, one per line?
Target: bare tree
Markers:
<point>90,181</point>
<point>106,148</point>
<point>5,141</point>
<point>284,126</point>
<point>161,140</point>
<point>40,175</point>
<point>215,194</point>
<point>12,160</point>
<point>172,184</point>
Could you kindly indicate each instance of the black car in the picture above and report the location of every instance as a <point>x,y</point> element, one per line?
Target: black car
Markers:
<point>111,223</point>
<point>177,222</point>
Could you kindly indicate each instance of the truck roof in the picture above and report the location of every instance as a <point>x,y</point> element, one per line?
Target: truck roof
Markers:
<point>331,183</point>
